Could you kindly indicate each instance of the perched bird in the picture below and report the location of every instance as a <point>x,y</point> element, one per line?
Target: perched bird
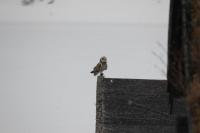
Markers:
<point>100,67</point>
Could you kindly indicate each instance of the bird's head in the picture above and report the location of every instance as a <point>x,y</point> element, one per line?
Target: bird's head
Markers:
<point>103,59</point>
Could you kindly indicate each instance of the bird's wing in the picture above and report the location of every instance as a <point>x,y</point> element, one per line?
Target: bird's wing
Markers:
<point>97,68</point>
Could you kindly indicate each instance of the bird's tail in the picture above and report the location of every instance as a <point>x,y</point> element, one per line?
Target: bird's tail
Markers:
<point>94,72</point>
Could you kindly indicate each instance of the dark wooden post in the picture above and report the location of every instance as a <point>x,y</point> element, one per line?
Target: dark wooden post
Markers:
<point>179,61</point>
<point>194,86</point>
<point>99,105</point>
<point>137,106</point>
<point>184,55</point>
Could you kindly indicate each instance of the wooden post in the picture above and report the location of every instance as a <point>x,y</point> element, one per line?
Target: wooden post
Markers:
<point>184,55</point>
<point>137,106</point>
<point>179,61</point>
<point>194,86</point>
<point>99,105</point>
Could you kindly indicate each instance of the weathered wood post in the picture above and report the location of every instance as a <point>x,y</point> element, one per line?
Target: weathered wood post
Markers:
<point>184,55</point>
<point>194,85</point>
<point>137,106</point>
<point>99,105</point>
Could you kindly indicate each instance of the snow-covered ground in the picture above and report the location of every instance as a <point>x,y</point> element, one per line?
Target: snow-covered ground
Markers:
<point>45,84</point>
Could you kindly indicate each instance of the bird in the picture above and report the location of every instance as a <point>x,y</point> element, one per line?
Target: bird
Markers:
<point>100,67</point>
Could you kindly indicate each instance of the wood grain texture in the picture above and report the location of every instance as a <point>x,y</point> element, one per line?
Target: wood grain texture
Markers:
<point>137,106</point>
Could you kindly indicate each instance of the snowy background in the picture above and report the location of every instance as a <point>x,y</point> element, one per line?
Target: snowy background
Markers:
<point>47,52</point>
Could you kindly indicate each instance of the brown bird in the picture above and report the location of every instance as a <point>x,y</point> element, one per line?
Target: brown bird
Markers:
<point>100,67</point>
